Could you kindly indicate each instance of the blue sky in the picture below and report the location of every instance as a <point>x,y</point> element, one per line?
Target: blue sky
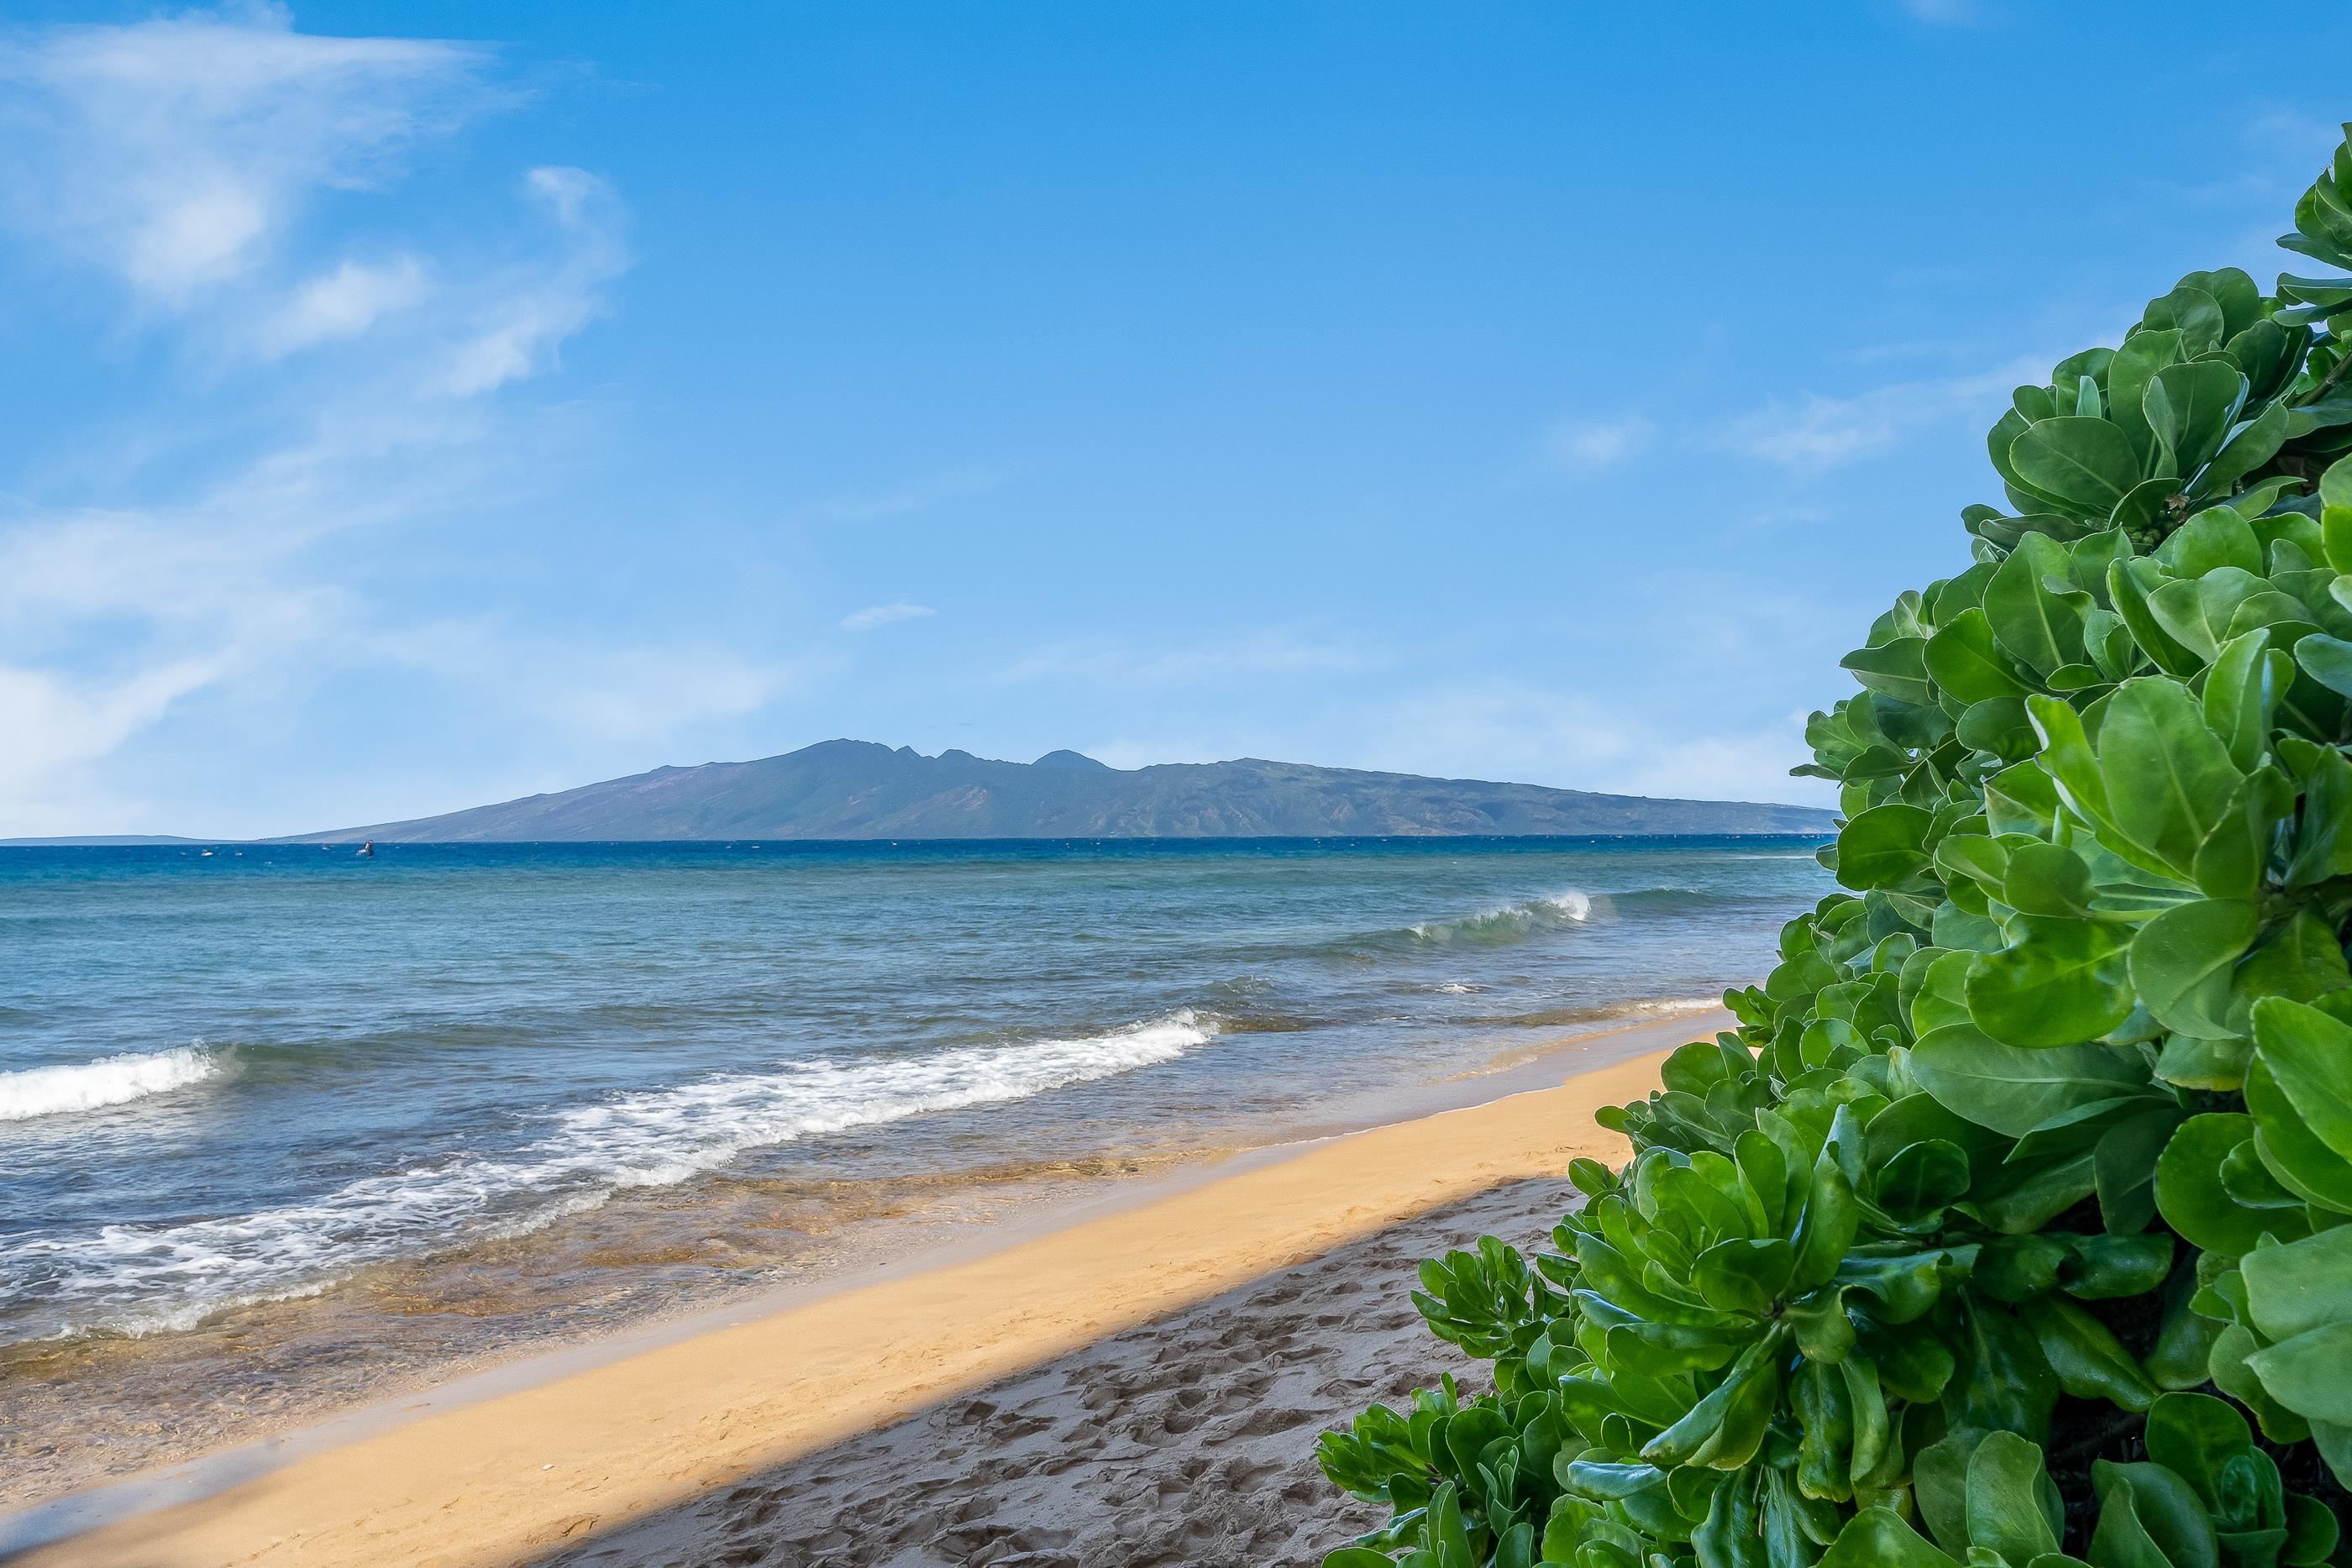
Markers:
<point>406,406</point>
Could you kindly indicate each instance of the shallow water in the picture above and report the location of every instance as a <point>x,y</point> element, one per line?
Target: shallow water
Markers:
<point>265,1112</point>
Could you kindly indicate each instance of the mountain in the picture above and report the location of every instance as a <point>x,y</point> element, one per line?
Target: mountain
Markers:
<point>103,842</point>
<point>857,789</point>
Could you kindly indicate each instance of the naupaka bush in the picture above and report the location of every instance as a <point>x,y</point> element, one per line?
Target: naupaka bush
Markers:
<point>2015,1218</point>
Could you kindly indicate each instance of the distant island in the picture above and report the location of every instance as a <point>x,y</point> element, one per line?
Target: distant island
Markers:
<point>859,789</point>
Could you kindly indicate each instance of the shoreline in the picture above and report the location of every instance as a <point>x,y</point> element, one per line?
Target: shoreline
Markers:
<point>503,1464</point>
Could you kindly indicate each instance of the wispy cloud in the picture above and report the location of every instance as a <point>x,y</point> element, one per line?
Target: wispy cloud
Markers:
<point>343,303</point>
<point>615,692</point>
<point>519,331</point>
<point>1814,433</point>
<point>874,615</point>
<point>176,152</point>
<point>179,156</point>
<point>1529,735</point>
<point>1586,446</point>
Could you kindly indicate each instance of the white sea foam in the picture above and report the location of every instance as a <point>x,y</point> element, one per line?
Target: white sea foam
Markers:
<point>1671,1006</point>
<point>112,1080</point>
<point>1516,922</point>
<point>142,1279</point>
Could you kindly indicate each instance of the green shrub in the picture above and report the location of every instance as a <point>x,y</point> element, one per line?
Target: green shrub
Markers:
<point>2029,1168</point>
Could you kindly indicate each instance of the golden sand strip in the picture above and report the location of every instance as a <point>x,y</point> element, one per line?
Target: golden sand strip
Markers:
<point>511,1477</point>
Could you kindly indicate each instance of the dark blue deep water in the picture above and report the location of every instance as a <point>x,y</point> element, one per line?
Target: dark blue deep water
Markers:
<point>261,1073</point>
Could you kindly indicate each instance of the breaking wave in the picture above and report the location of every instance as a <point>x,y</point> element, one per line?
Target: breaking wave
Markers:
<point>1516,921</point>
<point>112,1080</point>
<point>139,1279</point>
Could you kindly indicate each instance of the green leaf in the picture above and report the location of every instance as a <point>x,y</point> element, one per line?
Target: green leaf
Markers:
<point>1743,1274</point>
<point>2250,447</point>
<point>2150,1516</point>
<point>1964,661</point>
<point>1923,1176</point>
<point>2037,626</point>
<point>2296,1155</point>
<point>2240,691</point>
<point>2301,962</point>
<point>2123,1167</point>
<point>2194,313</point>
<point>2327,659</point>
<point>2047,879</point>
<point>2193,1200</point>
<point>2336,484</point>
<point>2197,613</point>
<point>1939,1477</point>
<point>2312,1533</point>
<point>2311,1374</point>
<point>2067,757</point>
<point>2167,777</point>
<point>2309,1054</point>
<point>2294,1288</point>
<point>2021,799</point>
<point>2007,1485</point>
<point>2190,407</point>
<point>2130,374</point>
<point>1884,847</point>
<point>2216,536</point>
<point>2088,1361</point>
<point>2193,1435</point>
<point>1826,1227</point>
<point>2063,982</point>
<point>2086,463</point>
<point>1704,1428</point>
<point>2012,1089</point>
<point>1877,1538</point>
<point>2128,592</point>
<point>2182,961</point>
<point>1896,669</point>
<point>2105,1267</point>
<point>2192,1064</point>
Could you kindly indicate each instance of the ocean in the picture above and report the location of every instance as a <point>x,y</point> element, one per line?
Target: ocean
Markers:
<point>281,1126</point>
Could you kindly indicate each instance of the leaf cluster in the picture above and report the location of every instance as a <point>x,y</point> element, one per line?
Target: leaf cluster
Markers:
<point>2044,1125</point>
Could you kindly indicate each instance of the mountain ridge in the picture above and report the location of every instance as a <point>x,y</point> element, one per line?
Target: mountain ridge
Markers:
<point>864,789</point>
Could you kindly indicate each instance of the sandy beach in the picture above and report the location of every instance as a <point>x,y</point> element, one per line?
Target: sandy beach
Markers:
<point>1154,1374</point>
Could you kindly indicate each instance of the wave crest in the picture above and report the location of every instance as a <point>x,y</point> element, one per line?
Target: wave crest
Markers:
<point>112,1080</point>
<point>137,1279</point>
<point>1516,921</point>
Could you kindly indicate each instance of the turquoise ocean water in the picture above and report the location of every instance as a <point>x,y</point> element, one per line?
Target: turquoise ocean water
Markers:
<point>235,1083</point>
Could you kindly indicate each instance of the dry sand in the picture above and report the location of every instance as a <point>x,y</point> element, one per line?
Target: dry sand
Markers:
<point>1141,1413</point>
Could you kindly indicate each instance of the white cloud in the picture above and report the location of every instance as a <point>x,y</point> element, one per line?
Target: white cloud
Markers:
<point>1589,444</point>
<point>874,615</point>
<point>343,303</point>
<point>1528,734</point>
<point>1511,734</point>
<point>1816,434</point>
<point>55,725</point>
<point>627,693</point>
<point>178,155</point>
<point>176,152</point>
<point>519,334</point>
